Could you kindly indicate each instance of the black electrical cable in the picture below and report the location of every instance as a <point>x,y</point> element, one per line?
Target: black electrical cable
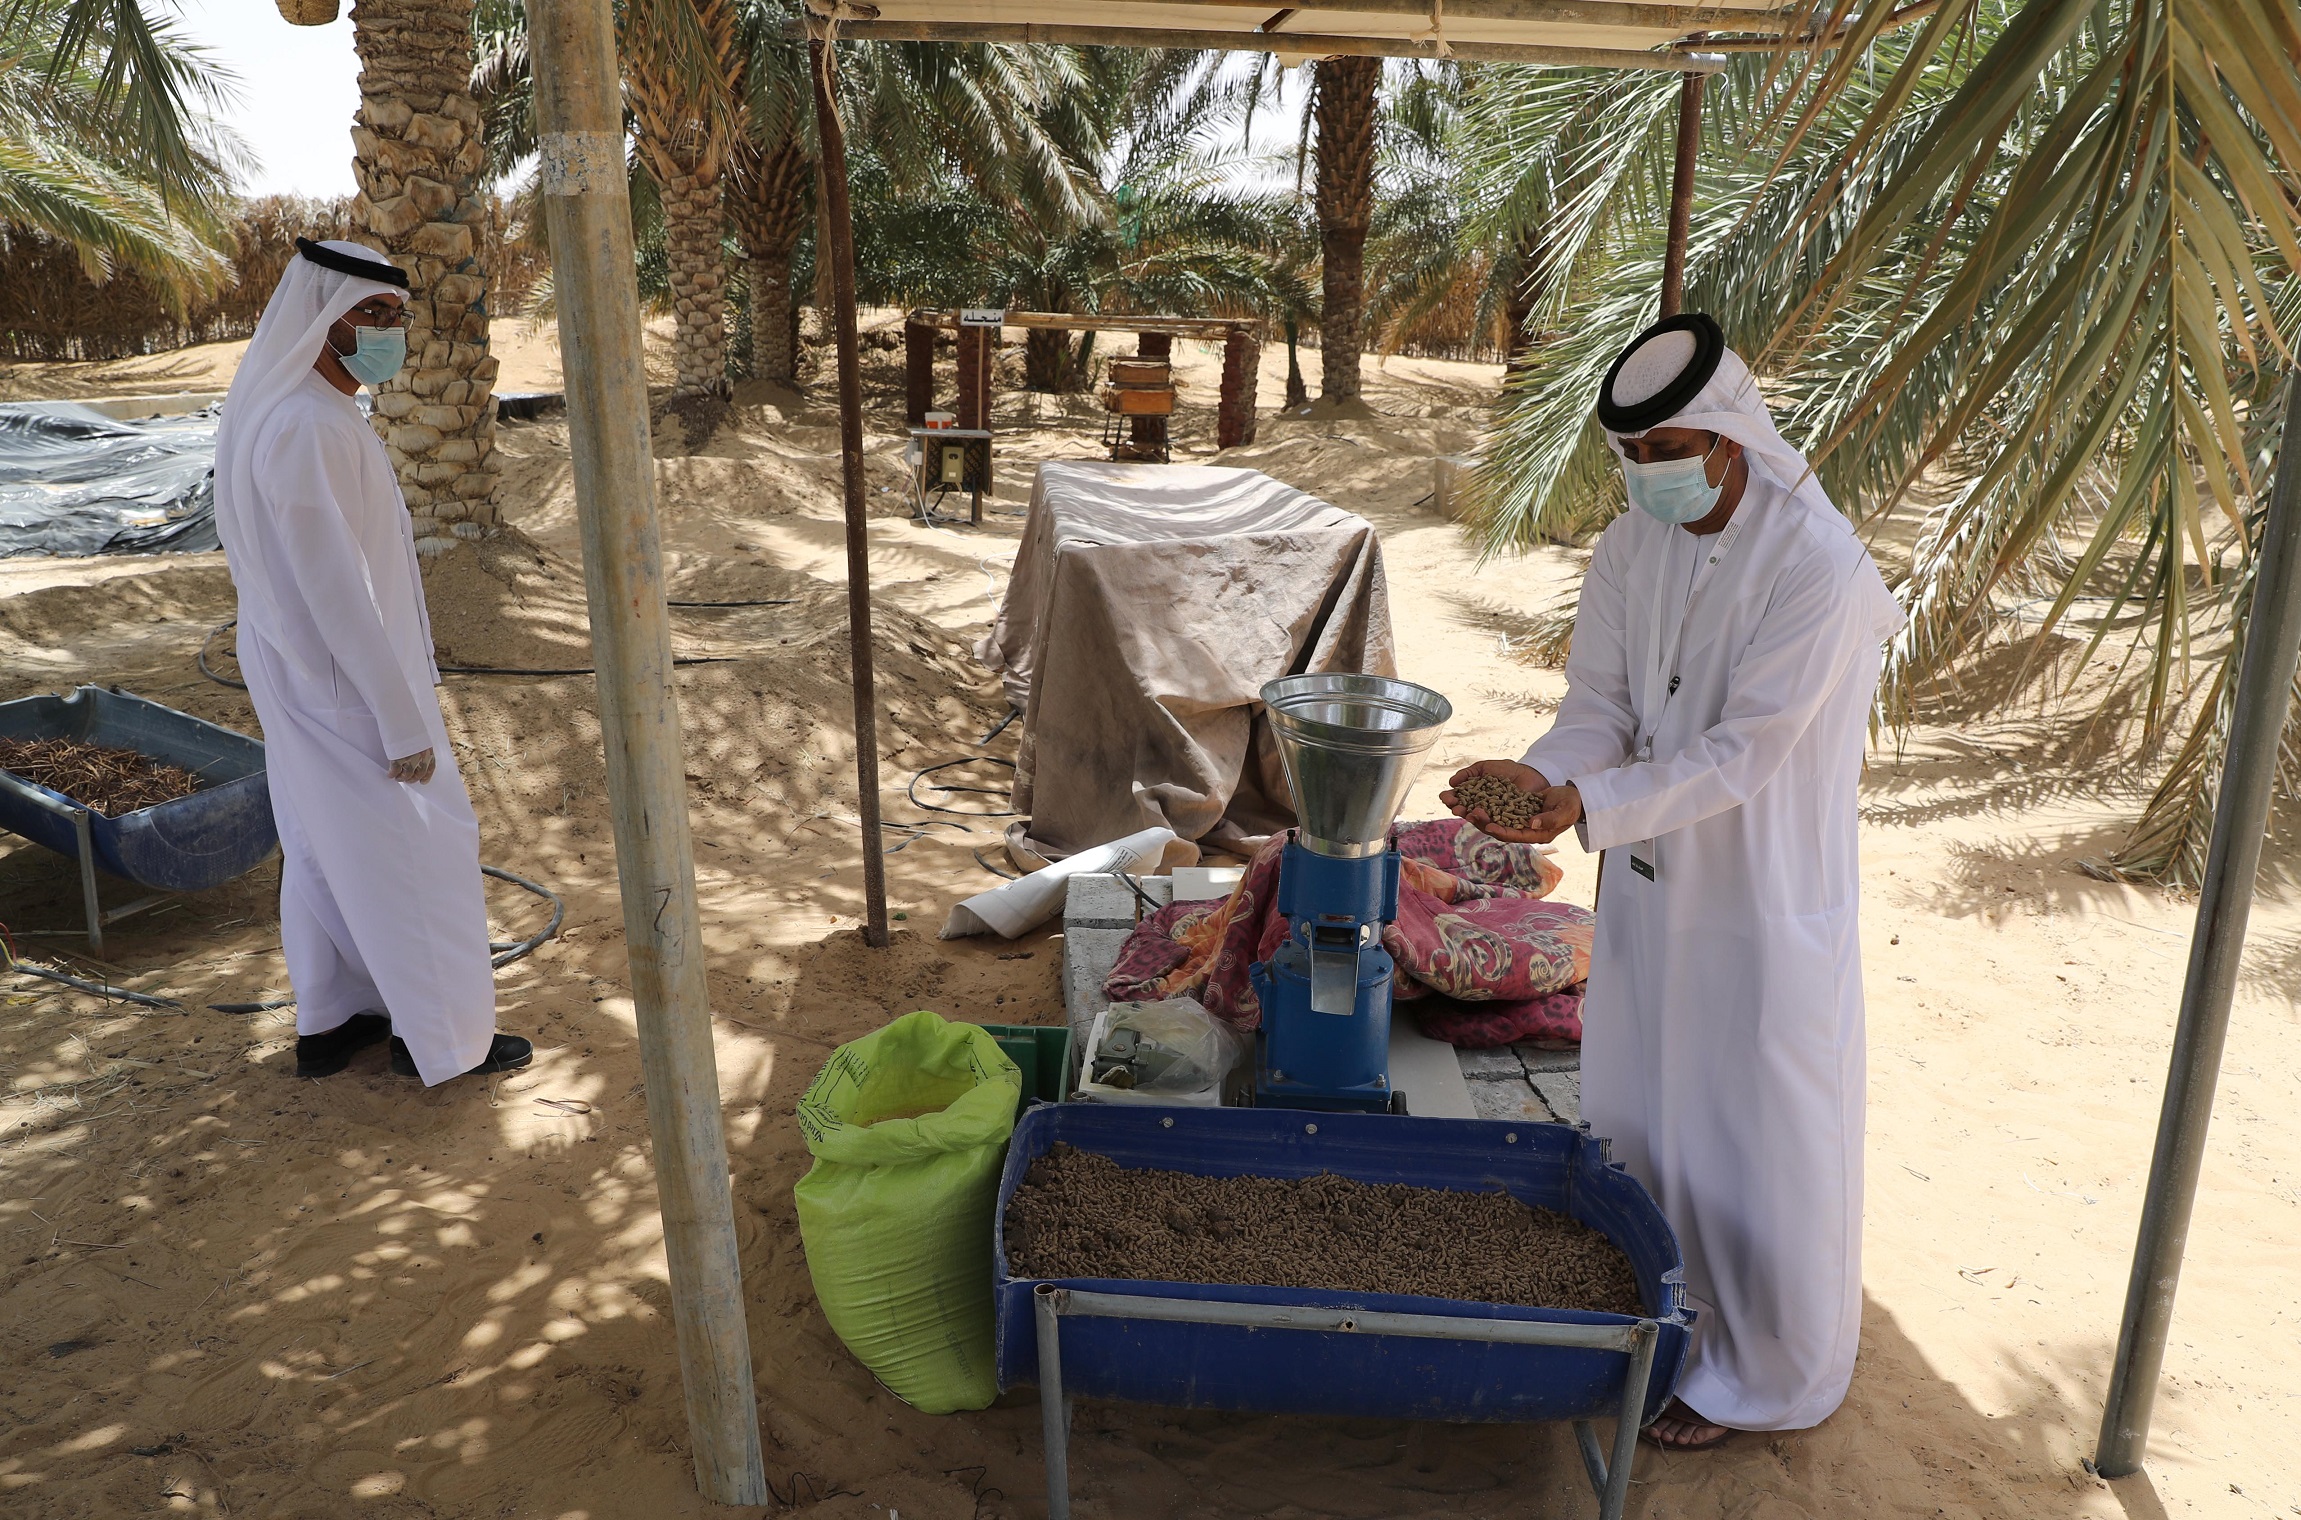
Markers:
<point>912,789</point>
<point>504,952</point>
<point>10,962</point>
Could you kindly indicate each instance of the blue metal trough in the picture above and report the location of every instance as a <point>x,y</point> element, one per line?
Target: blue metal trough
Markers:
<point>189,845</point>
<point>1317,1352</point>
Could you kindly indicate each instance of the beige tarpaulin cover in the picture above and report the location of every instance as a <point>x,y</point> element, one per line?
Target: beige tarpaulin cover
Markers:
<point>1149,604</point>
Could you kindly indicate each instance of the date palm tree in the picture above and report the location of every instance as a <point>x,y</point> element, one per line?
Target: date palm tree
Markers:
<point>2048,246</point>
<point>104,147</point>
<point>1343,103</point>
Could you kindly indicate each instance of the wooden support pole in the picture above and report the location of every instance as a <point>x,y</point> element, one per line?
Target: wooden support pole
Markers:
<point>579,115</point>
<point>838,222</point>
<point>1682,194</point>
<point>918,372</point>
<point>1241,374</point>
<point>1302,44</point>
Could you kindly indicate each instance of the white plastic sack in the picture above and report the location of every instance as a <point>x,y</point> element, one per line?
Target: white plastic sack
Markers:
<point>1017,907</point>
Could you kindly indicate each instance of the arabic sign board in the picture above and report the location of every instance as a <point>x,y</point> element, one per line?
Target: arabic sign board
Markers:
<point>982,316</point>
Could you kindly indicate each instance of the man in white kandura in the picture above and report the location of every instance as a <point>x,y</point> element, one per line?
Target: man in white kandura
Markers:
<point>381,917</point>
<point>1725,658</point>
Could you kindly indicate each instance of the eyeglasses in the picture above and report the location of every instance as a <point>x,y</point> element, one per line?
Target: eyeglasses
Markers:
<point>379,314</point>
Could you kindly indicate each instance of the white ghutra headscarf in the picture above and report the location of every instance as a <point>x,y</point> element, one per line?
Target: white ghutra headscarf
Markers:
<point>317,289</point>
<point>1681,368</point>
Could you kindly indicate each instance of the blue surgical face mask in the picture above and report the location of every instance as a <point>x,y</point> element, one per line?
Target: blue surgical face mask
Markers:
<point>379,354</point>
<point>1675,491</point>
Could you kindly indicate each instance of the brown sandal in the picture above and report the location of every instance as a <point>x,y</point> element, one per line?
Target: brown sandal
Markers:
<point>1678,1412</point>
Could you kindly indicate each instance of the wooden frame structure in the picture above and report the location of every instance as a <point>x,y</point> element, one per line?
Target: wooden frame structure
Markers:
<point>923,328</point>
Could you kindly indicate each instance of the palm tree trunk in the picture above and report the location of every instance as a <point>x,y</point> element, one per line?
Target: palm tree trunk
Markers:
<point>774,356</point>
<point>769,193</point>
<point>1297,393</point>
<point>417,160</point>
<point>683,143</point>
<point>1344,109</point>
<point>1046,359</point>
<point>698,272</point>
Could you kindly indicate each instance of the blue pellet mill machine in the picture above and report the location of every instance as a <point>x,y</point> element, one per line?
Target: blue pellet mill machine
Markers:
<point>1351,746</point>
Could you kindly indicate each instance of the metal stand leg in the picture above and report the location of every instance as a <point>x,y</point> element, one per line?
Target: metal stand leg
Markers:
<point>1611,1479</point>
<point>1616,1493</point>
<point>1054,1408</point>
<point>88,901</point>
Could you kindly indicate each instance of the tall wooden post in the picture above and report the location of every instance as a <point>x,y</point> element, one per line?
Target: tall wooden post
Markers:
<point>918,371</point>
<point>1241,373</point>
<point>838,221</point>
<point>1682,194</point>
<point>579,113</point>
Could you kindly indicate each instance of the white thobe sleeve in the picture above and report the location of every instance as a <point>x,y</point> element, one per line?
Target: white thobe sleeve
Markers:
<point>1809,636</point>
<point>1596,724</point>
<point>312,482</point>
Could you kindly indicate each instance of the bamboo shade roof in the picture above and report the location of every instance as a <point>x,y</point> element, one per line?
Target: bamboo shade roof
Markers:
<point>1587,33</point>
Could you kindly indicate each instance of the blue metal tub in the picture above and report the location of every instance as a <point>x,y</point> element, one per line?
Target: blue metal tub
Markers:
<point>189,845</point>
<point>1302,1351</point>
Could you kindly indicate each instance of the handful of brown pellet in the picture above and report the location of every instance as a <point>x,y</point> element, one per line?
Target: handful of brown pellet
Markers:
<point>1506,805</point>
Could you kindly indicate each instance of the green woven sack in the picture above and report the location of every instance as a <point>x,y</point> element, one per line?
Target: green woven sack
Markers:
<point>909,1128</point>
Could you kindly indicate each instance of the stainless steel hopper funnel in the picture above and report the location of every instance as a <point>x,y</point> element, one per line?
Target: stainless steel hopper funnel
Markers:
<point>1352,746</point>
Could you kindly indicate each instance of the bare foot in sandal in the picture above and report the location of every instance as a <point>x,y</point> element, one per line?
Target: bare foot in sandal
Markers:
<point>1678,1428</point>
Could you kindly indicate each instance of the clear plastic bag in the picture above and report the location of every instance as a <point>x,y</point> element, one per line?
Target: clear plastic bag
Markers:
<point>1172,1051</point>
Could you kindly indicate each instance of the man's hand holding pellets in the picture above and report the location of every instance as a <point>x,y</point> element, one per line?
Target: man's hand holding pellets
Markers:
<point>1512,802</point>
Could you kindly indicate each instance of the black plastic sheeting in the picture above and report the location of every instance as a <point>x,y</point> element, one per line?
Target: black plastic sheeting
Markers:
<point>74,481</point>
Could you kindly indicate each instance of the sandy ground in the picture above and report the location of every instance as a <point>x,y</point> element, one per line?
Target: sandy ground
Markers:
<point>230,1293</point>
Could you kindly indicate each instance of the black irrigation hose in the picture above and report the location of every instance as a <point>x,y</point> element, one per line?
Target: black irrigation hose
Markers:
<point>782,601</point>
<point>488,670</point>
<point>209,643</point>
<point>912,789</point>
<point>504,951</point>
<point>49,973</point>
<point>1012,714</point>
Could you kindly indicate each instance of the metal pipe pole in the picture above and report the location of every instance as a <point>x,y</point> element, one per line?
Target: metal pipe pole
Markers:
<point>2240,819</point>
<point>578,107</point>
<point>839,223</point>
<point>1682,194</point>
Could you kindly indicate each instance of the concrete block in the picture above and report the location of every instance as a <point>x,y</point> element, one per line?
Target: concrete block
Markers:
<point>1513,1101</point>
<point>1561,1092</point>
<point>1547,1060</point>
<point>1490,1065</point>
<point>1104,901</point>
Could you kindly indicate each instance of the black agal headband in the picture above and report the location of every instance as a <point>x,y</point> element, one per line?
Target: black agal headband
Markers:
<point>366,269</point>
<point>1709,348</point>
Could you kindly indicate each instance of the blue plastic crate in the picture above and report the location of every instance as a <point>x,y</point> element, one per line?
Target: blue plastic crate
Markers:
<point>1227,1367</point>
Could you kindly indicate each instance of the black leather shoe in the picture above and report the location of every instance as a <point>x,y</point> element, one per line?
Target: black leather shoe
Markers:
<point>331,1050</point>
<point>507,1052</point>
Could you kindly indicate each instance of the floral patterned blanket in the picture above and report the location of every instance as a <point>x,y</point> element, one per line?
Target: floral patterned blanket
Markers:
<point>1483,959</point>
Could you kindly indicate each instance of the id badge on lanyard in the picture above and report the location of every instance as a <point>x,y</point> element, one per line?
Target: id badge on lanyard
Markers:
<point>1661,673</point>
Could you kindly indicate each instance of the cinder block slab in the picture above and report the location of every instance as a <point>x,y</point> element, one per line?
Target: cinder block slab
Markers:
<point>1088,956</point>
<point>1106,902</point>
<point>1548,1060</point>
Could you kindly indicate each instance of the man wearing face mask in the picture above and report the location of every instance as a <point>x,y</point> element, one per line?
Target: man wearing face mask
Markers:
<point>381,918</point>
<point>1725,658</point>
